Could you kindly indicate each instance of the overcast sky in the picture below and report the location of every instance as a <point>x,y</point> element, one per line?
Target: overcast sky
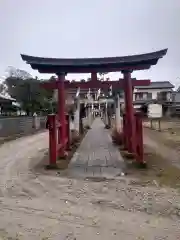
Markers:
<point>91,28</point>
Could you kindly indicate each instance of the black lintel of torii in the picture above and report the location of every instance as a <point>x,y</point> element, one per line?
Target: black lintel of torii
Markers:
<point>88,65</point>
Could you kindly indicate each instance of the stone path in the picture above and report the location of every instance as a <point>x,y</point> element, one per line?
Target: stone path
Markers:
<point>96,156</point>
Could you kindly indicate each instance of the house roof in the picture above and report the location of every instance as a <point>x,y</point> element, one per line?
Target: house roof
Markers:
<point>154,85</point>
<point>178,89</point>
<point>7,97</point>
<point>86,65</point>
<point>9,100</point>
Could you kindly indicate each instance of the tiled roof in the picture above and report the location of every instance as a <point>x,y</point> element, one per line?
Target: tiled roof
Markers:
<point>154,85</point>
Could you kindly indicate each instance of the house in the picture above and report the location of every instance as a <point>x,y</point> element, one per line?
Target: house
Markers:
<point>175,109</point>
<point>8,105</point>
<point>160,92</point>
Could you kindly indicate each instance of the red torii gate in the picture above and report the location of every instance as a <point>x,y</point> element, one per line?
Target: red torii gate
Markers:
<point>126,65</point>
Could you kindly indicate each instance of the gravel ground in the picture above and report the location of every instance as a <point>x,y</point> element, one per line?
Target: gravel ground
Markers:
<point>45,205</point>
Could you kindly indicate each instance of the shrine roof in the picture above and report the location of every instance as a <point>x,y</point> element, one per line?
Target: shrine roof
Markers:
<point>86,65</point>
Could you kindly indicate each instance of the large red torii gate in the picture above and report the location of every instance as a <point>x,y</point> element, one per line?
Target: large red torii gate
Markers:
<point>125,64</point>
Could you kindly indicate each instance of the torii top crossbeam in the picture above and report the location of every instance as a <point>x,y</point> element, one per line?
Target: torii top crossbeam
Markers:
<point>88,65</point>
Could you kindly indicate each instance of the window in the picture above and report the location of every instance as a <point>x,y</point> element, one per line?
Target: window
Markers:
<point>149,95</point>
<point>143,96</point>
<point>138,96</point>
<point>163,96</point>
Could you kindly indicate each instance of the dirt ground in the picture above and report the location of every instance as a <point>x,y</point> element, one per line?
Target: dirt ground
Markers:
<point>165,142</point>
<point>44,205</point>
<point>161,152</point>
<point>169,132</point>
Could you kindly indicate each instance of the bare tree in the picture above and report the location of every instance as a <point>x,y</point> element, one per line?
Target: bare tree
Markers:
<point>3,88</point>
<point>17,73</point>
<point>102,75</point>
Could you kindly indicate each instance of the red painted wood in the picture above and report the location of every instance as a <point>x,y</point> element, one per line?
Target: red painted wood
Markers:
<point>52,139</point>
<point>97,84</point>
<point>68,132</point>
<point>94,77</point>
<point>129,111</point>
<point>61,114</point>
<point>139,139</point>
<point>125,133</point>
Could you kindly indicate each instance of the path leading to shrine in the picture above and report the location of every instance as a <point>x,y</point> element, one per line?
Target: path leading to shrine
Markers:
<point>96,157</point>
<point>45,205</point>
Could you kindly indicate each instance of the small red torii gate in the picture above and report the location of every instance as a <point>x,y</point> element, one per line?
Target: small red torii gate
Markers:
<point>126,65</point>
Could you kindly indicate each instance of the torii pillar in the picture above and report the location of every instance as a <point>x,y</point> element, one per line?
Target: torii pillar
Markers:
<point>129,109</point>
<point>61,110</point>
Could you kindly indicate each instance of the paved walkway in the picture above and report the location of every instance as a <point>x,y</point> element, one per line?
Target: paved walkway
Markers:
<point>96,156</point>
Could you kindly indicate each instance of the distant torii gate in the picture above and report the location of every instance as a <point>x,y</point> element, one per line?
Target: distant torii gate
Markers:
<point>126,65</point>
